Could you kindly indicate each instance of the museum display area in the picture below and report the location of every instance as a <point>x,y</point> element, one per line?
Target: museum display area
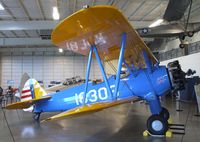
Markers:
<point>95,71</point>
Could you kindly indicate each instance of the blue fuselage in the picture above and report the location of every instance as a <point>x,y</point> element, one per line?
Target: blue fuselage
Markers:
<point>142,83</point>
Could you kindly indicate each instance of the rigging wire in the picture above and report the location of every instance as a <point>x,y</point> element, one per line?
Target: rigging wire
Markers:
<point>188,16</point>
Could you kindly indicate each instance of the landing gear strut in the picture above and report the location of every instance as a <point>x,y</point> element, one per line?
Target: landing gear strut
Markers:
<point>157,124</point>
<point>165,113</point>
<point>36,116</point>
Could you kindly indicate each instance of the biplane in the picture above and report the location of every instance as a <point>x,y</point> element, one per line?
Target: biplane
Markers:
<point>102,32</point>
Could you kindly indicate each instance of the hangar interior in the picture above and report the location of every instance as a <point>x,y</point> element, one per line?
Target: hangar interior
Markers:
<point>26,47</point>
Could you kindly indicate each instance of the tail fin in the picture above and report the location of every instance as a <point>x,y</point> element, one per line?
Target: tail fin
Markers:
<point>32,90</point>
<point>31,93</point>
<point>24,78</point>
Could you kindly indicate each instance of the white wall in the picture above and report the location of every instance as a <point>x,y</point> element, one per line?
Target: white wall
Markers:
<point>45,68</point>
<point>187,62</point>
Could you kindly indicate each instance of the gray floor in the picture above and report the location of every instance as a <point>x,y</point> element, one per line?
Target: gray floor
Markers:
<point>122,123</point>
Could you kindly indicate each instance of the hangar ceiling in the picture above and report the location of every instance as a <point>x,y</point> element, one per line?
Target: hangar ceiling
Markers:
<point>24,21</point>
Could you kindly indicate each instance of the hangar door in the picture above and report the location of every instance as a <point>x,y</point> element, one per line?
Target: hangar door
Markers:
<point>44,68</point>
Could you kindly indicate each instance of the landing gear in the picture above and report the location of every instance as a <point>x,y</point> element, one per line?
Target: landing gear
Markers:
<point>190,34</point>
<point>36,116</point>
<point>182,45</point>
<point>157,125</point>
<point>165,113</point>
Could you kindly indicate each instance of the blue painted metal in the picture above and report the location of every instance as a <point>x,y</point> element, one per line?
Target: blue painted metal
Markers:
<point>148,83</point>
<point>121,58</point>
<point>140,85</point>
<point>88,74</point>
<point>102,71</point>
<point>154,103</point>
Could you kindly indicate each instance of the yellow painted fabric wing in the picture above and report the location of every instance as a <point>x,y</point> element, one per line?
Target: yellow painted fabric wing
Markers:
<point>25,104</point>
<point>90,108</point>
<point>102,26</point>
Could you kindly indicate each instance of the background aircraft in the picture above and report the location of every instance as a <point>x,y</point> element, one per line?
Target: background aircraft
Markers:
<point>175,23</point>
<point>67,83</point>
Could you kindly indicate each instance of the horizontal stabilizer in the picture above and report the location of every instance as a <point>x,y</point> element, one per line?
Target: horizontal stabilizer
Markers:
<point>26,104</point>
<point>90,108</point>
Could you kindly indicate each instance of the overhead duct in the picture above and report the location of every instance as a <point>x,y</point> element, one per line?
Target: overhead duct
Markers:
<point>176,9</point>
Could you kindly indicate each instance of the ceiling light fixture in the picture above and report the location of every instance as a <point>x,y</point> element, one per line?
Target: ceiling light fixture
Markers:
<point>156,23</point>
<point>56,15</point>
<point>60,50</point>
<point>1,7</point>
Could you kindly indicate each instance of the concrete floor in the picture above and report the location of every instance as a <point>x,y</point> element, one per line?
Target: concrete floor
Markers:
<point>122,123</point>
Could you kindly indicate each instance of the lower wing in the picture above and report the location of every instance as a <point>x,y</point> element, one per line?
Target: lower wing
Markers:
<point>90,108</point>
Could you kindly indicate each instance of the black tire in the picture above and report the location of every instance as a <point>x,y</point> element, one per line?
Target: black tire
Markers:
<point>182,46</point>
<point>165,113</point>
<point>157,125</point>
<point>36,116</point>
<point>190,34</point>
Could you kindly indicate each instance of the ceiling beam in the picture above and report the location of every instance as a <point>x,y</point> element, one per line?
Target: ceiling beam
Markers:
<point>8,10</point>
<point>75,5</point>
<point>124,4</point>
<point>39,5</point>
<point>3,34</point>
<point>156,6</point>
<point>48,25</point>
<point>23,42</point>
<point>136,10</point>
<point>140,24</point>
<point>25,10</point>
<point>27,25</point>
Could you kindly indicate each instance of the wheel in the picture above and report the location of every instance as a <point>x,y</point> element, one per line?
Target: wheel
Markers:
<point>36,116</point>
<point>165,113</point>
<point>190,34</point>
<point>181,45</point>
<point>157,125</point>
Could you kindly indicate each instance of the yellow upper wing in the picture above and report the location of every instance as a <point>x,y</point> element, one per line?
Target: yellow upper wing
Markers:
<point>102,26</point>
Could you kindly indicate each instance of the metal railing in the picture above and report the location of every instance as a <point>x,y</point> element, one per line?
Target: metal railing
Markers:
<point>174,53</point>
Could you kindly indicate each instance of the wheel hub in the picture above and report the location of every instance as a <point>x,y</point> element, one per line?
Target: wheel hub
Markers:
<point>157,125</point>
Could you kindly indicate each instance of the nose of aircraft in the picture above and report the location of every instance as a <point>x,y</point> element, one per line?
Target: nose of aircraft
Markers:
<point>160,80</point>
<point>177,75</point>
